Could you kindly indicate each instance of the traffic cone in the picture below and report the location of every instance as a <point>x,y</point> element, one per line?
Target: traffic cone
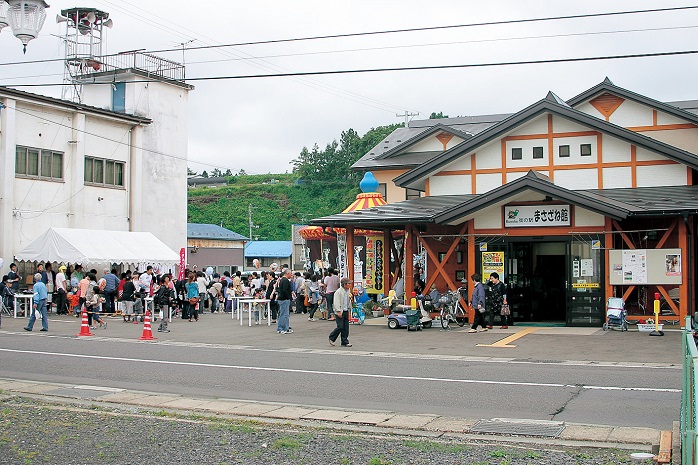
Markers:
<point>147,330</point>
<point>84,327</point>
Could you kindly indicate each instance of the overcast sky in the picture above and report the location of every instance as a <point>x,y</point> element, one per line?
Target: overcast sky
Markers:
<point>261,124</point>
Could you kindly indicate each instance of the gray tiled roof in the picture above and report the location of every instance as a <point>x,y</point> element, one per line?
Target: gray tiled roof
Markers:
<point>212,231</point>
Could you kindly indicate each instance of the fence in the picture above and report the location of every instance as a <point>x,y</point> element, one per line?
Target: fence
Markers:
<point>689,398</point>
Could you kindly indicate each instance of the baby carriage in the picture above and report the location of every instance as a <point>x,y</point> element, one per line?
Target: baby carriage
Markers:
<point>616,315</point>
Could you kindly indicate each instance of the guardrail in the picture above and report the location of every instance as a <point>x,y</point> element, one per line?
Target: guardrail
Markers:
<point>689,398</point>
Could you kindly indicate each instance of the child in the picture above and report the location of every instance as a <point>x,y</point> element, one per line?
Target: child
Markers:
<point>93,306</point>
<point>137,308</point>
<point>259,293</point>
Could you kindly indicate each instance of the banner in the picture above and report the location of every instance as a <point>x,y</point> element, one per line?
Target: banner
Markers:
<point>182,263</point>
<point>342,256</point>
<point>373,281</point>
<point>492,262</point>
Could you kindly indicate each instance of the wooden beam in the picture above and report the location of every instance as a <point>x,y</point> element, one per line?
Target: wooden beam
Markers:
<point>439,267</point>
<point>387,251</point>
<point>409,262</point>
<point>608,244</point>
<point>626,239</point>
<point>667,234</point>
<point>683,288</point>
<point>350,253</point>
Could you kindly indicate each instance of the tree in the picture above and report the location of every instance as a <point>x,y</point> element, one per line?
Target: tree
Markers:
<point>216,173</point>
<point>204,174</point>
<point>438,115</point>
<point>190,172</point>
<point>228,172</point>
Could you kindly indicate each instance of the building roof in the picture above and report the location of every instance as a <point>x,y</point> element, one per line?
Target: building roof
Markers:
<point>608,87</point>
<point>614,203</point>
<point>269,249</point>
<point>415,178</point>
<point>18,94</point>
<point>213,232</point>
<point>202,181</point>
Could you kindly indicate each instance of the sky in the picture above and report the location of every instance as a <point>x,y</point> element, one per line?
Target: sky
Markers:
<point>260,125</point>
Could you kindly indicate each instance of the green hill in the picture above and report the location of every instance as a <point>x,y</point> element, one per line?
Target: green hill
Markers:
<point>276,205</point>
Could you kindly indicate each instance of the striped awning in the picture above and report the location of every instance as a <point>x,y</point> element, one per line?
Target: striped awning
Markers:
<point>366,200</point>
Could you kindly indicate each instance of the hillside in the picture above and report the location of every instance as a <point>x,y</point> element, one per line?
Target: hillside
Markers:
<point>275,205</point>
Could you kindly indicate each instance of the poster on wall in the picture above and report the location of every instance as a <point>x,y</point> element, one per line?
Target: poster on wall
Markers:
<point>492,262</point>
<point>342,256</point>
<point>358,276</point>
<point>673,264</point>
<point>635,266</point>
<point>373,281</point>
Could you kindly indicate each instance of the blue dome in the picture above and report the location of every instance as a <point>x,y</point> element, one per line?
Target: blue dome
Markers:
<point>368,183</point>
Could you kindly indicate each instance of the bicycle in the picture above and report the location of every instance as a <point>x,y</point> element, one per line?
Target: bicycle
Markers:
<point>451,309</point>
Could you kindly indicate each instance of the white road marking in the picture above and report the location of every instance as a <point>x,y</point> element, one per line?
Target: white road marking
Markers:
<point>343,374</point>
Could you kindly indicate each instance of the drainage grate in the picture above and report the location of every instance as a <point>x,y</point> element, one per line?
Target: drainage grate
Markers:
<point>543,428</point>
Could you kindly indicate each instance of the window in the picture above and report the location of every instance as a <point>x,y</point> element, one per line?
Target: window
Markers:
<point>104,172</point>
<point>537,152</point>
<point>383,190</point>
<point>44,164</point>
<point>516,153</point>
<point>412,194</point>
<point>563,151</point>
<point>585,150</point>
<point>118,97</point>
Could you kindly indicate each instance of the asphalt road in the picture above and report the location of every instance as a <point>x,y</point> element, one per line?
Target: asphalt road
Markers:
<point>302,368</point>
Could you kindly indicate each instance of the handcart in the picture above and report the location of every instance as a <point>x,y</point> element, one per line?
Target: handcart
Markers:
<point>616,315</point>
<point>413,317</point>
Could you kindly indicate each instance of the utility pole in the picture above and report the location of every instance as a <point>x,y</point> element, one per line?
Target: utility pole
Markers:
<point>406,115</point>
<point>184,48</point>
<point>249,216</point>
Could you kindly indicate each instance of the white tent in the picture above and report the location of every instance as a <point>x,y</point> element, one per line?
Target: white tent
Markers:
<point>90,246</point>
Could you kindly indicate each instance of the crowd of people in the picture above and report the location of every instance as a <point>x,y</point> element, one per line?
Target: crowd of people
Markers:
<point>128,293</point>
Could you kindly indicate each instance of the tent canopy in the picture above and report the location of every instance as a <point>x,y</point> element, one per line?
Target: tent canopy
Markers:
<point>90,246</point>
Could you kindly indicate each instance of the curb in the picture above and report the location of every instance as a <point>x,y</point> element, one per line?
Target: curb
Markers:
<point>369,421</point>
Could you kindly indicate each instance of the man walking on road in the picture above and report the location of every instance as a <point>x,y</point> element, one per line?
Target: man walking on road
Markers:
<point>40,296</point>
<point>342,308</point>
<point>284,292</point>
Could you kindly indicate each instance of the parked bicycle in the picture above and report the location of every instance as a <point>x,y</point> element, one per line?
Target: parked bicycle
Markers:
<point>451,309</point>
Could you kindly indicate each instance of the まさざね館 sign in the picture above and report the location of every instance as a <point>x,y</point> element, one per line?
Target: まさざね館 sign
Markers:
<point>536,215</point>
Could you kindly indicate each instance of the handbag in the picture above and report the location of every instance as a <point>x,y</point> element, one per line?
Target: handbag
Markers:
<point>306,301</point>
<point>505,310</point>
<point>193,300</point>
<point>481,309</point>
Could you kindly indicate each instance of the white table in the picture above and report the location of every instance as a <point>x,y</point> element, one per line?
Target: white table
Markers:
<point>235,305</point>
<point>29,298</point>
<point>250,302</point>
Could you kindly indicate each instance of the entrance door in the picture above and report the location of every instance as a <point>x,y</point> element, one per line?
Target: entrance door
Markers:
<point>585,305</point>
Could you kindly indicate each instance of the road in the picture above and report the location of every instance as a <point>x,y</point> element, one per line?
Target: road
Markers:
<point>464,387</point>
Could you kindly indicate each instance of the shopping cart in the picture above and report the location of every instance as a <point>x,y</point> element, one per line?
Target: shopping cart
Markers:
<point>616,315</point>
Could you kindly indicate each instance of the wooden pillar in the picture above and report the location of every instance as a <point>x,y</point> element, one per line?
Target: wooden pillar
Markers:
<point>387,253</point>
<point>607,246</point>
<point>350,253</point>
<point>471,265</point>
<point>409,261</point>
<point>683,288</point>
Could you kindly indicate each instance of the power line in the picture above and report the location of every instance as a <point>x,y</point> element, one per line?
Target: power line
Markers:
<point>392,31</point>
<point>406,68</point>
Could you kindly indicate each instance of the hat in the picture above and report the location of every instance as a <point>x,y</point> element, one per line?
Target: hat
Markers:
<point>62,268</point>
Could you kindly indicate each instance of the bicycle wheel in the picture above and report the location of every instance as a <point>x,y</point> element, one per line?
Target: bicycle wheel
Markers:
<point>445,317</point>
<point>461,318</point>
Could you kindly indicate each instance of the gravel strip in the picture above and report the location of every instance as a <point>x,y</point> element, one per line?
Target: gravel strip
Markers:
<point>34,432</point>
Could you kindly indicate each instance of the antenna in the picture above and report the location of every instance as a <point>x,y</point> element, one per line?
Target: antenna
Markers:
<point>184,47</point>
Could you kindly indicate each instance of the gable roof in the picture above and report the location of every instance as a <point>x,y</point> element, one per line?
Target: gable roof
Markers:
<point>607,86</point>
<point>415,178</point>
<point>420,137</point>
<point>614,203</point>
<point>212,231</point>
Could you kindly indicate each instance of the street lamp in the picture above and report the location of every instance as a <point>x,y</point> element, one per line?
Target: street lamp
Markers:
<point>25,17</point>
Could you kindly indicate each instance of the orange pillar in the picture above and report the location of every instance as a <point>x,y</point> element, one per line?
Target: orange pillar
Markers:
<point>608,244</point>
<point>471,265</point>
<point>409,261</point>
<point>683,288</point>
<point>387,252</point>
<point>350,253</point>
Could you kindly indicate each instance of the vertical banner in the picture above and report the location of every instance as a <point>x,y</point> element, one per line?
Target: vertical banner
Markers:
<point>358,276</point>
<point>492,262</point>
<point>342,256</point>
<point>182,263</point>
<point>373,281</point>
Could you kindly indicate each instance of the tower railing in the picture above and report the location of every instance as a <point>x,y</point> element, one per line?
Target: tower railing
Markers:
<point>149,64</point>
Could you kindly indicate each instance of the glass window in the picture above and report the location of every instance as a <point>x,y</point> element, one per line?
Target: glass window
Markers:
<point>564,151</point>
<point>21,160</point>
<point>98,171</point>
<point>88,170</point>
<point>516,153</point>
<point>537,152</point>
<point>585,150</point>
<point>32,162</point>
<point>119,174</point>
<point>57,165</point>
<point>109,172</point>
<point>383,190</point>
<point>45,164</point>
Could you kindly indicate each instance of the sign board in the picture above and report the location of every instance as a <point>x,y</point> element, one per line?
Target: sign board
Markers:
<point>645,266</point>
<point>586,285</point>
<point>536,216</point>
<point>492,262</point>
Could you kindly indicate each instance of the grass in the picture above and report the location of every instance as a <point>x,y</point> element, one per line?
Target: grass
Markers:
<point>287,443</point>
<point>431,446</point>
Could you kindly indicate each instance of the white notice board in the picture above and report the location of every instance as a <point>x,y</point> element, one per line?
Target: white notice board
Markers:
<point>645,266</point>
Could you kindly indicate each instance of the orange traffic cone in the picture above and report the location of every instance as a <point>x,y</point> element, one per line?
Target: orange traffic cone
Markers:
<point>147,330</point>
<point>84,327</point>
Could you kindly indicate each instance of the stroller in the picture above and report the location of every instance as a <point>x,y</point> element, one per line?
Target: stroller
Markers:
<point>616,315</point>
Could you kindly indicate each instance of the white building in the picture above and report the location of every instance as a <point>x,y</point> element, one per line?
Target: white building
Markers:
<point>116,161</point>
